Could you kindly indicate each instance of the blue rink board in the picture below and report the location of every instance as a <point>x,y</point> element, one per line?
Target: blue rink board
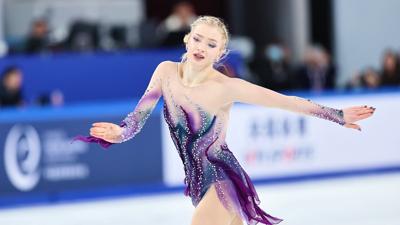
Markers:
<point>133,168</point>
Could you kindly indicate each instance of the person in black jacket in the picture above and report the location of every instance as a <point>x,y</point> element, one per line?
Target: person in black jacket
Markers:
<point>317,73</point>
<point>37,41</point>
<point>272,67</point>
<point>390,74</point>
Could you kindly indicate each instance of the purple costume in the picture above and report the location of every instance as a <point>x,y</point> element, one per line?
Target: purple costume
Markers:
<point>199,137</point>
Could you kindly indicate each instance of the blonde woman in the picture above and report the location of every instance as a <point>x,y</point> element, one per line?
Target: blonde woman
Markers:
<point>197,101</point>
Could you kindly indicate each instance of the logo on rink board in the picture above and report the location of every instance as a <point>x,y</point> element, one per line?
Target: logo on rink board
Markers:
<point>22,155</point>
<point>31,155</point>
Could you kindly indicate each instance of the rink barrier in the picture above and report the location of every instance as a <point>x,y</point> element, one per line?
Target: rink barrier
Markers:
<point>79,172</point>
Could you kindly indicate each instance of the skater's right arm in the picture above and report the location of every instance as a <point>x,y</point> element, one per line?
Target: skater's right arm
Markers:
<point>106,134</point>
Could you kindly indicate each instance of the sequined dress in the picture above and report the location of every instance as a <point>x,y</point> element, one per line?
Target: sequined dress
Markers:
<point>199,137</point>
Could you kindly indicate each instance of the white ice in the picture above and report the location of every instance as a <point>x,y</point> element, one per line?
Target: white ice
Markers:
<point>362,200</point>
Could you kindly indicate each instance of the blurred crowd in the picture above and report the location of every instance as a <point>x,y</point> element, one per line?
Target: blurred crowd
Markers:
<point>271,66</point>
<point>85,35</point>
<point>388,75</point>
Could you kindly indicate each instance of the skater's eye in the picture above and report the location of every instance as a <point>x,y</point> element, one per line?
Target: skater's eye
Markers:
<point>196,39</point>
<point>212,45</point>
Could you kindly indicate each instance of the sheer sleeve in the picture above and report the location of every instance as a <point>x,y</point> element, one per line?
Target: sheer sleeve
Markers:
<point>135,120</point>
<point>246,92</point>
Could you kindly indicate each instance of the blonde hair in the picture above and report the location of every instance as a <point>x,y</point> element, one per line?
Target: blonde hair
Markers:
<point>212,21</point>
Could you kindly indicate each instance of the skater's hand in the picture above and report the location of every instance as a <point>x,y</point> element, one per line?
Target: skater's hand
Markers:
<point>354,114</point>
<point>107,131</point>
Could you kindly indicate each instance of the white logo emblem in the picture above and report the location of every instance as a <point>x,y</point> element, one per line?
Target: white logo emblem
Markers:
<point>22,157</point>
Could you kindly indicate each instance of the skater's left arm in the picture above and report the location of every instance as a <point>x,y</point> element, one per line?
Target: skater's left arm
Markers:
<point>246,92</point>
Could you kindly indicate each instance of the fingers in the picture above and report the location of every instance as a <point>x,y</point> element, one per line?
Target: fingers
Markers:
<point>103,136</point>
<point>104,125</point>
<point>361,116</point>
<point>367,108</point>
<point>96,134</point>
<point>359,110</point>
<point>361,107</point>
<point>98,130</point>
<point>364,107</point>
<point>353,126</point>
<point>364,116</point>
<point>357,113</point>
<point>101,124</point>
<point>365,111</point>
<point>102,130</point>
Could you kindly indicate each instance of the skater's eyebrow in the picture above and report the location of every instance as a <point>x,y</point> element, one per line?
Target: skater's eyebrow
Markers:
<point>211,39</point>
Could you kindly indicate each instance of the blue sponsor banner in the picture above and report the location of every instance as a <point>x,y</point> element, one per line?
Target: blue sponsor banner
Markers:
<point>37,157</point>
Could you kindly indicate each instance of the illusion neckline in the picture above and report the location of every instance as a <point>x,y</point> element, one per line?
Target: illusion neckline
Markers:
<point>180,81</point>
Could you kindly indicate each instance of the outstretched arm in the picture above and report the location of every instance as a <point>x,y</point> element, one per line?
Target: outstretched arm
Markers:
<point>106,134</point>
<point>246,92</point>
<point>134,121</point>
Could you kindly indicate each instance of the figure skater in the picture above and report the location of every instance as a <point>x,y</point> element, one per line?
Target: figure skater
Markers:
<point>197,101</point>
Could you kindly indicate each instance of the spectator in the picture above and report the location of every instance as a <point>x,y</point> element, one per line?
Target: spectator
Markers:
<point>11,87</point>
<point>176,25</point>
<point>354,82</point>
<point>370,79</point>
<point>317,73</point>
<point>38,38</point>
<point>83,37</point>
<point>119,37</point>
<point>272,67</point>
<point>148,36</point>
<point>390,69</point>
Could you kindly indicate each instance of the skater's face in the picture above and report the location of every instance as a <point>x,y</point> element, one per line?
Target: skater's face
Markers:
<point>204,45</point>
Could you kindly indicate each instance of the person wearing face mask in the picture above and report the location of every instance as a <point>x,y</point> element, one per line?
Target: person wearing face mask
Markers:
<point>197,102</point>
<point>272,68</point>
<point>11,87</point>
